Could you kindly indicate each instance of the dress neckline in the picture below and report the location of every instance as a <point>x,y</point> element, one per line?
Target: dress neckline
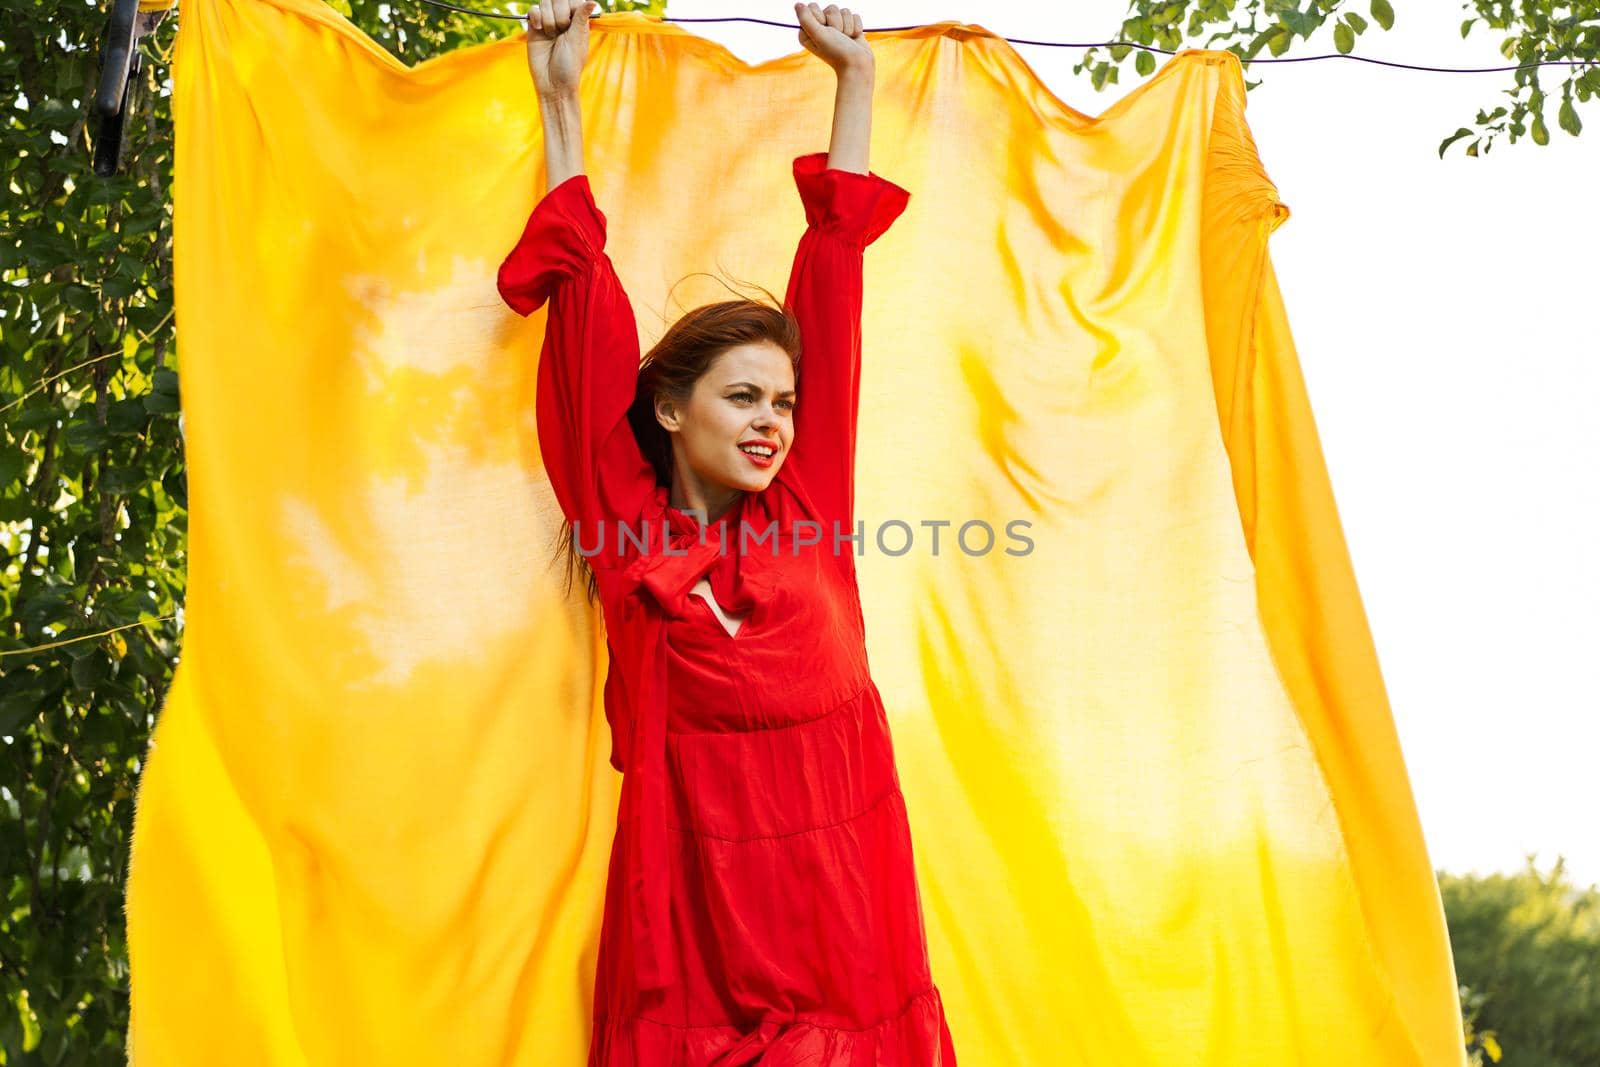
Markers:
<point>686,521</point>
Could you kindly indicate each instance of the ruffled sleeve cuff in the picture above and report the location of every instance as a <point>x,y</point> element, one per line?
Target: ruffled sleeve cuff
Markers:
<point>565,235</point>
<point>855,207</point>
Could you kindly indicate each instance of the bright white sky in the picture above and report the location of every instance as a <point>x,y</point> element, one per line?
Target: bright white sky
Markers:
<point>1444,313</point>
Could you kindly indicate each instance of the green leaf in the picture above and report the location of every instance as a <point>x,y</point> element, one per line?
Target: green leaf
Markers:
<point>1541,134</point>
<point>1264,38</point>
<point>13,461</point>
<point>1383,14</point>
<point>1568,118</point>
<point>1452,139</point>
<point>176,483</point>
<point>1356,22</point>
<point>35,418</point>
<point>87,670</point>
<point>55,113</point>
<point>47,608</point>
<point>31,1033</point>
<point>123,479</point>
<point>80,298</point>
<point>87,436</point>
<point>120,288</point>
<point>162,404</point>
<point>127,416</point>
<point>18,708</point>
<point>1343,39</point>
<point>1145,64</point>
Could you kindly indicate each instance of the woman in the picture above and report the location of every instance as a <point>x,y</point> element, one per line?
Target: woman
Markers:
<point>761,905</point>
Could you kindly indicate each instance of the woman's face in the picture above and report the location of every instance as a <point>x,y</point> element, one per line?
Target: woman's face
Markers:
<point>745,397</point>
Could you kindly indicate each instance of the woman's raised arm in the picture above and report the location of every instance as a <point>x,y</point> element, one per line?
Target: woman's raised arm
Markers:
<point>836,36</point>
<point>589,364</point>
<point>846,207</point>
<point>558,46</point>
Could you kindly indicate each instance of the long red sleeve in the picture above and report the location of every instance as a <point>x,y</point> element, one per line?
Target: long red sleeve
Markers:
<point>588,367</point>
<point>845,212</point>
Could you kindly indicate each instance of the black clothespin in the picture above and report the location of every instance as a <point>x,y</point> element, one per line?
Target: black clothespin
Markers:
<point>120,64</point>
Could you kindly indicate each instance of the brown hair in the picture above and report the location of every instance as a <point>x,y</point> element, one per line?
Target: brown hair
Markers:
<point>672,367</point>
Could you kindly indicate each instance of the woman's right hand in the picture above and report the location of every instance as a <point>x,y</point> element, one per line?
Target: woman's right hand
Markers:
<point>558,43</point>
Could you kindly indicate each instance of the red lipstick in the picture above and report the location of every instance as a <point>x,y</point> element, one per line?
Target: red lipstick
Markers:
<point>761,461</point>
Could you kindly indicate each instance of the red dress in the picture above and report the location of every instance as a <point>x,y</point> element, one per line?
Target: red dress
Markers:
<point>761,906</point>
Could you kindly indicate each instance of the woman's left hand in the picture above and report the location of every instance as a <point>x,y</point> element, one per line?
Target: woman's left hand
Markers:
<point>835,36</point>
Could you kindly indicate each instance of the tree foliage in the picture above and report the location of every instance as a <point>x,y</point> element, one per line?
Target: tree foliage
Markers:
<point>92,496</point>
<point>1533,31</point>
<point>1528,947</point>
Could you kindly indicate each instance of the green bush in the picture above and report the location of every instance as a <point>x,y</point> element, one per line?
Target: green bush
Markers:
<point>1527,951</point>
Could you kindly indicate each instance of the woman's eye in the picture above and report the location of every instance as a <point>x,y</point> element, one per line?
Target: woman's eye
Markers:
<point>750,397</point>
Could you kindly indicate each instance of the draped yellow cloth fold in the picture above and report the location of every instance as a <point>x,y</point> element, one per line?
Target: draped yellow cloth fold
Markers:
<point>1158,803</point>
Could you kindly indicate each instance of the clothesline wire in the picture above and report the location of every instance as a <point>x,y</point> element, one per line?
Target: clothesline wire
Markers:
<point>1092,44</point>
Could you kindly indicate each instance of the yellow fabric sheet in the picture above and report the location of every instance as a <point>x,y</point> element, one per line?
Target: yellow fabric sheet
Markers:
<point>1158,803</point>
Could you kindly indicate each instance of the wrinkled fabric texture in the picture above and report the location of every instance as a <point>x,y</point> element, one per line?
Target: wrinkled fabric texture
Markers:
<point>1159,808</point>
<point>762,901</point>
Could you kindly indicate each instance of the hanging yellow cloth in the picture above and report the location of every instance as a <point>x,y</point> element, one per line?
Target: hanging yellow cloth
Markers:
<point>1158,804</point>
